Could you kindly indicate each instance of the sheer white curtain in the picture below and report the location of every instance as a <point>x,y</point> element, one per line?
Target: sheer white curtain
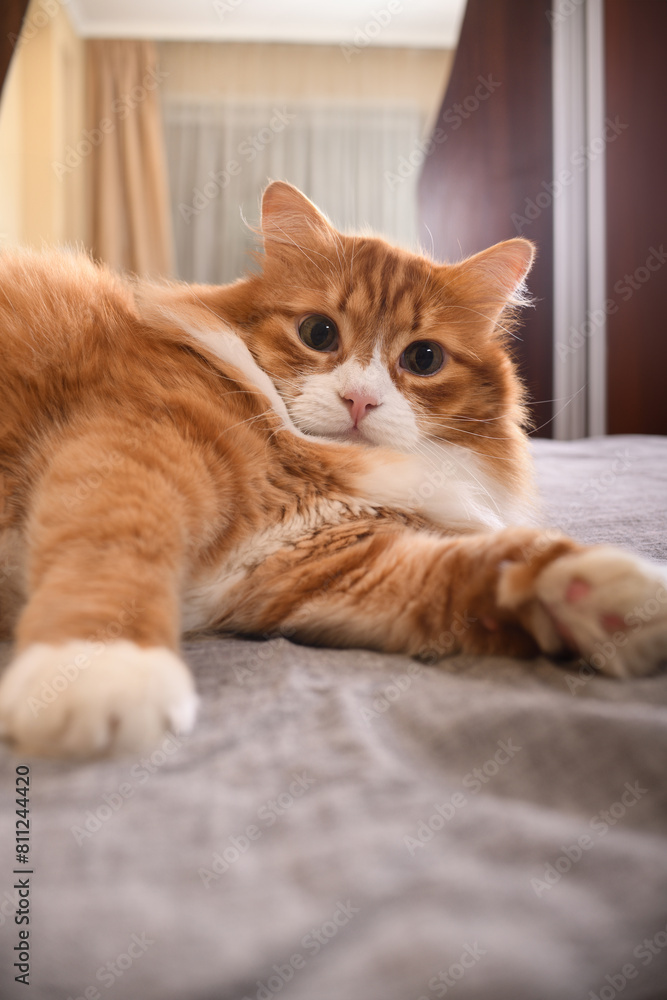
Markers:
<point>345,158</point>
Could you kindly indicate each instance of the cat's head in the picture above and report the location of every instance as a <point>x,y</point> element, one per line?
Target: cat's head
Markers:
<point>370,343</point>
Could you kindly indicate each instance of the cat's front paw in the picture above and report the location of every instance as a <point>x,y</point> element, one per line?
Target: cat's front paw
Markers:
<point>85,698</point>
<point>610,607</point>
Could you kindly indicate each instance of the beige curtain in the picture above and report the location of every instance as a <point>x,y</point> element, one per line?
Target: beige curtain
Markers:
<point>130,212</point>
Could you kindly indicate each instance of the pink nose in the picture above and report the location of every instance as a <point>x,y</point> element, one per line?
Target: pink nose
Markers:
<point>359,404</point>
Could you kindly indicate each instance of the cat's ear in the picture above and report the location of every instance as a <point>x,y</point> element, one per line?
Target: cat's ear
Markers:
<point>496,277</point>
<point>289,217</point>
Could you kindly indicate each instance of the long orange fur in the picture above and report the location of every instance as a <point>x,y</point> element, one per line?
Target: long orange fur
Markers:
<point>136,465</point>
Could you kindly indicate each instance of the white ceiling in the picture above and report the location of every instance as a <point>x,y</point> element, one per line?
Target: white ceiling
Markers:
<point>420,23</point>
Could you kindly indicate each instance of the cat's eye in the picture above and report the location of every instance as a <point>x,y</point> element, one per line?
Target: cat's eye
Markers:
<point>424,357</point>
<point>319,332</point>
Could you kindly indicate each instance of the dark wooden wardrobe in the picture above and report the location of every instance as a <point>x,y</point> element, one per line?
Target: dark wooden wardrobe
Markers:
<point>477,182</point>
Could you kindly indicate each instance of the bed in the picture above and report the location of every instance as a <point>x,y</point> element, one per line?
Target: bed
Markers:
<point>346,825</point>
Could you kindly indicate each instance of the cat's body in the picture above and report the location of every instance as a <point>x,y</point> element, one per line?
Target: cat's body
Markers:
<point>331,450</point>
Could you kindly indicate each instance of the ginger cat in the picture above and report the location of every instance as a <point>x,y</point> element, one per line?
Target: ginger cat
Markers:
<point>331,449</point>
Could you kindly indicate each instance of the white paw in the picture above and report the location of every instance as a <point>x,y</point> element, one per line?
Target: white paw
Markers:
<point>89,698</point>
<point>611,607</point>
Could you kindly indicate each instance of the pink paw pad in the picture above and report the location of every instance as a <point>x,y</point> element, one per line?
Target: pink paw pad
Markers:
<point>576,590</point>
<point>613,623</point>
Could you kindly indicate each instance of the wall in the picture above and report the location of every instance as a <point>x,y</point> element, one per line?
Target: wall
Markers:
<point>11,157</point>
<point>294,73</point>
<point>41,115</point>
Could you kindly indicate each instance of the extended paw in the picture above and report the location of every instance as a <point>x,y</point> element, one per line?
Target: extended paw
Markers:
<point>87,698</point>
<point>610,607</point>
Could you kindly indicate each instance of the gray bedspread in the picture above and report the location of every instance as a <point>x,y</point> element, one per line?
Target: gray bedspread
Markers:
<point>345,825</point>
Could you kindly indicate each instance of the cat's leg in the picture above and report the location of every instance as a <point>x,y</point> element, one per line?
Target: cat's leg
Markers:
<point>96,666</point>
<point>517,592</point>
<point>609,606</point>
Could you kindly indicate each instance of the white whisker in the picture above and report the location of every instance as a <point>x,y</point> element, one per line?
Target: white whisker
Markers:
<point>466,468</point>
<point>563,407</point>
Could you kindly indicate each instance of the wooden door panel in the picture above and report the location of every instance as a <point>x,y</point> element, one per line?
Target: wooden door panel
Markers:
<point>11,18</point>
<point>492,156</point>
<point>636,92</point>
